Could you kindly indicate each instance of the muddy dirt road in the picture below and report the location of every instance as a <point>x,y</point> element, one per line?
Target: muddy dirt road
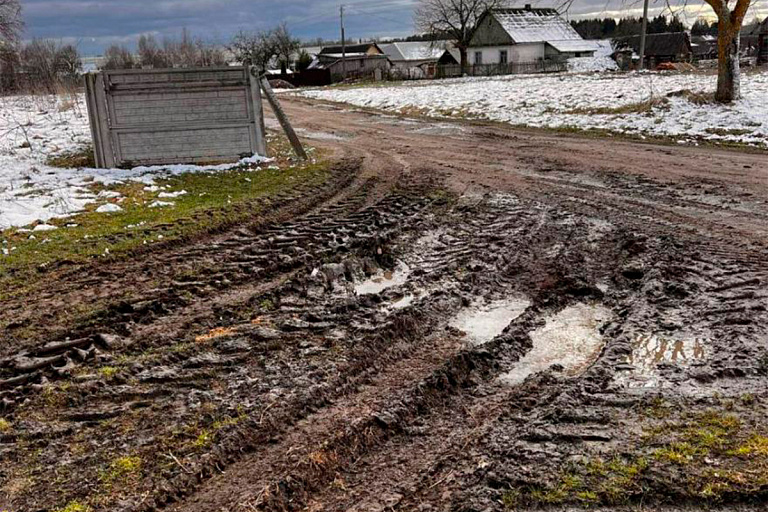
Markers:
<point>465,317</point>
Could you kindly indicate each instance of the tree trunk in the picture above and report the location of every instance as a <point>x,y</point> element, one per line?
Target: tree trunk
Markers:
<point>728,74</point>
<point>464,61</point>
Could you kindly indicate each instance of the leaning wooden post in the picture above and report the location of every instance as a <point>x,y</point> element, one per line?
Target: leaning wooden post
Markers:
<point>258,112</point>
<point>278,110</point>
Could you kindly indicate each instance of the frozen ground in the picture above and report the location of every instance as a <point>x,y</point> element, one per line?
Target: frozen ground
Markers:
<point>35,128</point>
<point>583,101</point>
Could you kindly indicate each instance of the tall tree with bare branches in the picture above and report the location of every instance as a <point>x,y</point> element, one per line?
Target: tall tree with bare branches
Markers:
<point>10,21</point>
<point>455,19</point>
<point>730,19</point>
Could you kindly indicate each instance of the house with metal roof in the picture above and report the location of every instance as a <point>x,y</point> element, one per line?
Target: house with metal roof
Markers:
<point>525,35</point>
<point>414,59</point>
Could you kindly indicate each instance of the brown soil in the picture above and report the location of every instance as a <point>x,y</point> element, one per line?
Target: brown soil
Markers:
<point>242,372</point>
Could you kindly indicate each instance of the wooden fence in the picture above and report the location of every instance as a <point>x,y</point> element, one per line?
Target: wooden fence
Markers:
<point>165,116</point>
<point>513,68</point>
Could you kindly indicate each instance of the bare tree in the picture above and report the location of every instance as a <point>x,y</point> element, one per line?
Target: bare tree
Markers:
<point>453,19</point>
<point>118,57</point>
<point>150,54</point>
<point>10,21</point>
<point>47,64</point>
<point>729,22</point>
<point>257,48</point>
<point>286,46</point>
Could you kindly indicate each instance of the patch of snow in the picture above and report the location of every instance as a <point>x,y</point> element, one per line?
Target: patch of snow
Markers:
<point>166,195</point>
<point>44,227</point>
<point>108,208</point>
<point>564,101</point>
<point>160,204</point>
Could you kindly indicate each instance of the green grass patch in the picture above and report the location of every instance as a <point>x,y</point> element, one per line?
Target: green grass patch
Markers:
<point>212,200</point>
<point>74,506</point>
<point>121,470</point>
<point>714,455</point>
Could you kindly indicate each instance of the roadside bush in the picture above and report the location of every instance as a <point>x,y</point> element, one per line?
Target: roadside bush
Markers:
<point>41,66</point>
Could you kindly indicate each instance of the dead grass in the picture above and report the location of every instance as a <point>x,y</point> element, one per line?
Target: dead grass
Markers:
<point>697,98</point>
<point>643,107</point>
<point>75,159</point>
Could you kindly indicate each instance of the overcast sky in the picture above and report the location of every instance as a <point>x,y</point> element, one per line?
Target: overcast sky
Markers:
<point>94,24</point>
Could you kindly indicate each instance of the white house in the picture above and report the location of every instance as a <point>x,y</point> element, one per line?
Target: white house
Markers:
<point>523,35</point>
<point>416,59</point>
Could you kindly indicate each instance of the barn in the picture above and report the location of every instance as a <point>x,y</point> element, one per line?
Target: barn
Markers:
<point>356,61</point>
<point>414,59</point>
<point>525,35</point>
<point>659,48</point>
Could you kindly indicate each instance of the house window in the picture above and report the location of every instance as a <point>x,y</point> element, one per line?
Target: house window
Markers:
<point>478,57</point>
<point>503,57</point>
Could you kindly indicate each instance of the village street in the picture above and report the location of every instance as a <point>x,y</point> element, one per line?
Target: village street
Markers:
<point>466,316</point>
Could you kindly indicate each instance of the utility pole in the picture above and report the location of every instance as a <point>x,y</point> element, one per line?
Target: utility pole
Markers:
<point>642,35</point>
<point>343,44</point>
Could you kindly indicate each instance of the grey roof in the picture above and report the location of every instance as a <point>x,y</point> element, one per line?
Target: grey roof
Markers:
<point>572,45</point>
<point>534,25</point>
<point>414,51</point>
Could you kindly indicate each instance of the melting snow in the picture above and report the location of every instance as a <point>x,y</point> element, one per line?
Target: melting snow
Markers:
<point>564,100</point>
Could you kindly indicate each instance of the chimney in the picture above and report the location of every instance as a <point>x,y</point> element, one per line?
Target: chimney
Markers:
<point>528,7</point>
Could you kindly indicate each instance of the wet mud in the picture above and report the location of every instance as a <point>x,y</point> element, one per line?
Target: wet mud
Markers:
<point>426,338</point>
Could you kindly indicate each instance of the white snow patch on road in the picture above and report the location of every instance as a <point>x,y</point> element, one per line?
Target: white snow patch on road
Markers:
<point>566,100</point>
<point>35,128</point>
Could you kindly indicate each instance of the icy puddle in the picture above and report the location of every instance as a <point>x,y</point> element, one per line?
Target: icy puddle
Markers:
<point>485,322</point>
<point>570,338</point>
<point>651,350</point>
<point>383,279</point>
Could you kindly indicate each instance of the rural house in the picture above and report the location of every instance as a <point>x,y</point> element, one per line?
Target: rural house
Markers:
<point>664,47</point>
<point>525,35</point>
<point>417,59</point>
<point>754,40</point>
<point>359,61</point>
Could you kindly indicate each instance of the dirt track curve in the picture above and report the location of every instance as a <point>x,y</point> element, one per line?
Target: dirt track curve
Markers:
<point>394,340</point>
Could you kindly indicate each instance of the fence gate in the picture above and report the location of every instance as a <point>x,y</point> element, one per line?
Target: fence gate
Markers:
<point>167,116</point>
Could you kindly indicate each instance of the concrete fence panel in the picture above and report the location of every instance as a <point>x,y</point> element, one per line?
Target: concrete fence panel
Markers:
<point>167,116</point>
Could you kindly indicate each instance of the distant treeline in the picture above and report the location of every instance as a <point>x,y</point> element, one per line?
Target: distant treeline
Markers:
<point>187,52</point>
<point>608,28</point>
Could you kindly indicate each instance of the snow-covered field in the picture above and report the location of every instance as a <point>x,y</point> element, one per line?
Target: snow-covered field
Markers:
<point>35,128</point>
<point>582,101</point>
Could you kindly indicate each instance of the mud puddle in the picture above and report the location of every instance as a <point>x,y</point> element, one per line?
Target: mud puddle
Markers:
<point>652,351</point>
<point>403,302</point>
<point>440,129</point>
<point>384,279</point>
<point>482,323</point>
<point>571,338</point>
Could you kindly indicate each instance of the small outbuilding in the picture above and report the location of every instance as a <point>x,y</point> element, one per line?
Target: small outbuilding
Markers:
<point>659,48</point>
<point>414,59</point>
<point>353,61</point>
